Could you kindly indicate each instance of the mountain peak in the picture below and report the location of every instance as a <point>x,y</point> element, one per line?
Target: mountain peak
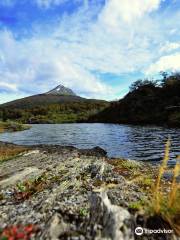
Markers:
<point>61,90</point>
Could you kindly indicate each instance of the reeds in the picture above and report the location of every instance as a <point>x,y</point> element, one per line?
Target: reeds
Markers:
<point>157,191</point>
<point>166,204</point>
<point>175,185</point>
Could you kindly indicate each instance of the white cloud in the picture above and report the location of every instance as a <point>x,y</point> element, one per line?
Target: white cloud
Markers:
<point>32,66</point>
<point>169,46</point>
<point>165,63</point>
<point>8,86</point>
<point>127,10</point>
<point>107,50</point>
<point>122,39</point>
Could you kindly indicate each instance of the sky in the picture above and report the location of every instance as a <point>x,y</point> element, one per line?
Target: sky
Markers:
<point>95,47</point>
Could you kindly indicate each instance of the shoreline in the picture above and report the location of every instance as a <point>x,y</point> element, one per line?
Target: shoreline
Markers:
<point>10,126</point>
<point>59,190</point>
<point>28,125</point>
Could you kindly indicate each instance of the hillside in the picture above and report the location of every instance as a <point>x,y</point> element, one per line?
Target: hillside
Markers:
<point>59,105</point>
<point>42,99</point>
<point>148,102</point>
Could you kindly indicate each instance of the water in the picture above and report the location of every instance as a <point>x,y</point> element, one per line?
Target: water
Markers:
<point>132,142</point>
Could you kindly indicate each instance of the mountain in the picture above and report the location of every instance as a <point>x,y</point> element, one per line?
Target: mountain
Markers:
<point>148,102</point>
<point>58,105</point>
<point>61,90</point>
<point>57,95</point>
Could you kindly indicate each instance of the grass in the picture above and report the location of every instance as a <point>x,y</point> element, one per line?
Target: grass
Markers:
<point>166,203</point>
<point>8,152</point>
<point>143,181</point>
<point>157,193</point>
<point>134,172</point>
<point>162,197</point>
<point>12,126</point>
<point>175,186</point>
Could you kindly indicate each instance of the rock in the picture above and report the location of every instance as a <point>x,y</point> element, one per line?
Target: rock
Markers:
<point>31,152</point>
<point>27,173</point>
<point>60,206</point>
<point>96,151</point>
<point>96,170</point>
<point>116,221</point>
<point>57,228</point>
<point>99,151</point>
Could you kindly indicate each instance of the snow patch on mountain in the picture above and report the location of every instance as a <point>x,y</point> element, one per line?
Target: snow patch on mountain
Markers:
<point>61,90</point>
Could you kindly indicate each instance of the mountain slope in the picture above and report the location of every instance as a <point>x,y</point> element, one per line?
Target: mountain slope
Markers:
<point>59,105</point>
<point>58,95</point>
<point>41,99</point>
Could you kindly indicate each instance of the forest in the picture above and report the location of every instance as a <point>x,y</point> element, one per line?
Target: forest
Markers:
<point>148,102</point>
<point>65,112</point>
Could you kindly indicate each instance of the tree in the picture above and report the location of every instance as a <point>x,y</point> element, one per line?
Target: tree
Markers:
<point>170,79</point>
<point>135,85</point>
<point>142,83</point>
<point>164,77</point>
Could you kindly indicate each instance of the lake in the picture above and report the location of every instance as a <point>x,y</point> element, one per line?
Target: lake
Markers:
<point>127,141</point>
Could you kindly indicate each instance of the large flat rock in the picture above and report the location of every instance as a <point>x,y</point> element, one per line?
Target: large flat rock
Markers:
<point>27,173</point>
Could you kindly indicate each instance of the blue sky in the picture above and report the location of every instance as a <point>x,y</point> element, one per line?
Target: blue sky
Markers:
<point>96,47</point>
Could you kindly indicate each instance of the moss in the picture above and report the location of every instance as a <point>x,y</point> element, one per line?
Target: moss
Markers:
<point>144,181</point>
<point>83,212</point>
<point>127,168</point>
<point>26,189</point>
<point>148,181</point>
<point>132,165</point>
<point>98,183</point>
<point>137,205</point>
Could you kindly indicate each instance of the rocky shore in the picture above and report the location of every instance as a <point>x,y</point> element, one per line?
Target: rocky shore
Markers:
<point>55,192</point>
